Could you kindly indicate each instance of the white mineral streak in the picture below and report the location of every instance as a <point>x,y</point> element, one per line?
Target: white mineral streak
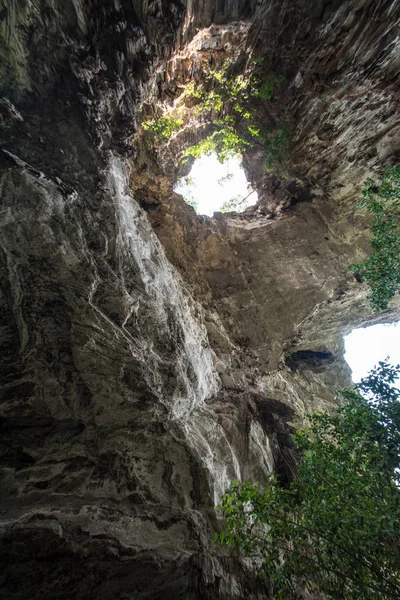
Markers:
<point>209,441</point>
<point>260,447</point>
<point>197,379</point>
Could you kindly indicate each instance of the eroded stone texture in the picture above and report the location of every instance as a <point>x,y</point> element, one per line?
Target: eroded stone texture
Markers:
<point>150,355</point>
<point>108,446</point>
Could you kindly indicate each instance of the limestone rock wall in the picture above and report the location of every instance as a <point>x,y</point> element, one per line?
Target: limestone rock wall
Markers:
<point>108,448</point>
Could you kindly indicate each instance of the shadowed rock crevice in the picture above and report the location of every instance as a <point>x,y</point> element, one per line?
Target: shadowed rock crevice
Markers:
<point>316,360</point>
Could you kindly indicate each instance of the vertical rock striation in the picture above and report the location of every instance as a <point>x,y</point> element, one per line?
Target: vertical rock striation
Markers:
<point>112,461</point>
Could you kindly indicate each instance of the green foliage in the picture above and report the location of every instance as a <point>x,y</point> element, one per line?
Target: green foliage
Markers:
<point>230,98</point>
<point>209,99</point>
<point>277,145</point>
<point>226,93</point>
<point>269,87</point>
<point>336,530</point>
<point>193,90</point>
<point>225,142</point>
<point>224,87</point>
<point>163,127</point>
<point>253,131</point>
<point>381,270</point>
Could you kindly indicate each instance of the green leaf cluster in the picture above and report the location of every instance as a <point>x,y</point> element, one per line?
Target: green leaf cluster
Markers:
<point>336,529</point>
<point>224,141</point>
<point>231,97</point>
<point>381,270</point>
<point>163,127</point>
<point>229,94</point>
<point>266,89</point>
<point>277,145</point>
<point>221,88</point>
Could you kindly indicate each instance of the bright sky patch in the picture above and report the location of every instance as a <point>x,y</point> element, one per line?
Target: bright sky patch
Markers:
<point>210,184</point>
<point>366,346</point>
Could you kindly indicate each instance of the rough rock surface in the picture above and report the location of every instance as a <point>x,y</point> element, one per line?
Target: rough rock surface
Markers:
<point>150,355</point>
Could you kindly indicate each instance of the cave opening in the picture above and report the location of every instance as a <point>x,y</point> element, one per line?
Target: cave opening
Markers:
<point>213,185</point>
<point>366,346</point>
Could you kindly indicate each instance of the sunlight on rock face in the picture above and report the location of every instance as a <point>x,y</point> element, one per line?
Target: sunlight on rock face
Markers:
<point>212,186</point>
<point>366,346</point>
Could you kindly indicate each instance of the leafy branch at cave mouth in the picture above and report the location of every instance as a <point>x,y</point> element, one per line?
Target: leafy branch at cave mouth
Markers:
<point>233,98</point>
<point>229,104</point>
<point>336,529</point>
<point>381,270</point>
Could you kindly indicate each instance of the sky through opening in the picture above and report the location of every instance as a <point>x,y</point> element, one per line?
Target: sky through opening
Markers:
<point>211,184</point>
<point>366,346</point>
